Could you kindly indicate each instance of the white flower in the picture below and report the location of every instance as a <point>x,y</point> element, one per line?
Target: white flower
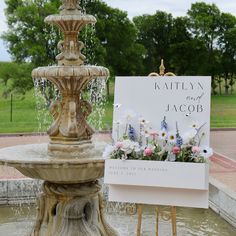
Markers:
<point>163,135</point>
<point>124,157</point>
<point>195,125</point>
<point>146,132</point>
<point>188,136</point>
<point>129,146</point>
<point>206,152</point>
<point>171,138</point>
<point>108,151</point>
<point>143,122</point>
<point>171,157</point>
<point>129,115</point>
<point>137,147</point>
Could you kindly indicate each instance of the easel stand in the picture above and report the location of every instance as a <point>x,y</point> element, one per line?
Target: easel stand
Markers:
<point>163,214</point>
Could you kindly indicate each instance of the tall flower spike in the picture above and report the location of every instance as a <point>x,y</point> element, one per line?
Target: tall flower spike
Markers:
<point>179,139</point>
<point>132,133</point>
<point>164,125</point>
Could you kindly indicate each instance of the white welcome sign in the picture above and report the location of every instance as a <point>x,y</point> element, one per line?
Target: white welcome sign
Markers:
<point>185,100</point>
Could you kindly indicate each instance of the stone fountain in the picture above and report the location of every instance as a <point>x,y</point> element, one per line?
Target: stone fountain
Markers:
<point>71,163</point>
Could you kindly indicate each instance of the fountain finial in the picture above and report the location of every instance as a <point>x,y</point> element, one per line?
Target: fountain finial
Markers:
<point>70,5</point>
<point>162,68</point>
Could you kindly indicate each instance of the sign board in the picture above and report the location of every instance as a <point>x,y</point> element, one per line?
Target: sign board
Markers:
<point>185,100</point>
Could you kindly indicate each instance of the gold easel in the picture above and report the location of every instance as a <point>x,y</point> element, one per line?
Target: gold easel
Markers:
<point>164,213</point>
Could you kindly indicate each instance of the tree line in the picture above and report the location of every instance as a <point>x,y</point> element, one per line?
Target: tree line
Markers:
<point>201,43</point>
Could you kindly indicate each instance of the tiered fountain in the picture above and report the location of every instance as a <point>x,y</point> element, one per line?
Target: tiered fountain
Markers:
<point>70,164</point>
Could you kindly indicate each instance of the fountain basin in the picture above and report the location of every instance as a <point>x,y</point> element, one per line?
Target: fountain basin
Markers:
<point>33,161</point>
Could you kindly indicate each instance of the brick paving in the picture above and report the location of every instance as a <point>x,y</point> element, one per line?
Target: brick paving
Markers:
<point>222,167</point>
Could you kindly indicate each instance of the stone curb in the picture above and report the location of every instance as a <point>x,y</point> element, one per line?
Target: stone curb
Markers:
<point>13,191</point>
<point>222,200</point>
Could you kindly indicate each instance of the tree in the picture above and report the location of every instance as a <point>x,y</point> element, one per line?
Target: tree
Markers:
<point>187,55</point>
<point>227,45</point>
<point>15,77</point>
<point>204,25</point>
<point>29,39</point>
<point>154,33</point>
<point>6,69</point>
<point>117,35</point>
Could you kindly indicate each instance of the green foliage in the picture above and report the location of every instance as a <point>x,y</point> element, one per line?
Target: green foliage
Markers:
<point>154,33</point>
<point>28,37</point>
<point>16,78</point>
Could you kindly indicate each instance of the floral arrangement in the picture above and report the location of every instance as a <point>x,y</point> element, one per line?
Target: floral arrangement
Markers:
<point>145,143</point>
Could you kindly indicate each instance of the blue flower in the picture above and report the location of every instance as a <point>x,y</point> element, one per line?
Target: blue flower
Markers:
<point>164,125</point>
<point>179,141</point>
<point>132,133</point>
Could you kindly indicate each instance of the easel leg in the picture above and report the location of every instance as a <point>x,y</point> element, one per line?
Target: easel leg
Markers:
<point>140,211</point>
<point>157,220</point>
<point>173,220</point>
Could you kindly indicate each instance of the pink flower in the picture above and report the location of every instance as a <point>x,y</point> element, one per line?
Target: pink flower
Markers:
<point>119,145</point>
<point>148,152</point>
<point>176,150</point>
<point>196,149</point>
<point>154,134</point>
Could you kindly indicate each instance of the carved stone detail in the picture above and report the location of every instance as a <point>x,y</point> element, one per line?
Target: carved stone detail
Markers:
<point>70,53</point>
<point>70,5</point>
<point>71,209</point>
<point>70,120</point>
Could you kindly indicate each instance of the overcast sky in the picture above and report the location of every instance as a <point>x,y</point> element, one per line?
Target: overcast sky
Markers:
<point>137,7</point>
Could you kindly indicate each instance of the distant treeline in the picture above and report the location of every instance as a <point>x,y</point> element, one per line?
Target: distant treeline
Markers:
<point>201,43</point>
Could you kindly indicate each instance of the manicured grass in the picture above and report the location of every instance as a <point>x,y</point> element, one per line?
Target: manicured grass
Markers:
<point>25,115</point>
<point>223,111</point>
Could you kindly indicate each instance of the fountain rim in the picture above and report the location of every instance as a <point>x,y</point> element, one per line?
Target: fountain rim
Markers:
<point>86,19</point>
<point>70,71</point>
<point>49,162</point>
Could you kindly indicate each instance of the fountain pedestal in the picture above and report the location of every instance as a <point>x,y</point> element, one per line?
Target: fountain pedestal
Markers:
<point>71,209</point>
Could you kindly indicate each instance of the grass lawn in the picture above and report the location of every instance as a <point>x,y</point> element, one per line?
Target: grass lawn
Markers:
<point>223,111</point>
<point>25,116</point>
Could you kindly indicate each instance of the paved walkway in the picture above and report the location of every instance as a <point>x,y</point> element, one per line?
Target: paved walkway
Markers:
<point>224,142</point>
<point>222,168</point>
<point>223,163</point>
